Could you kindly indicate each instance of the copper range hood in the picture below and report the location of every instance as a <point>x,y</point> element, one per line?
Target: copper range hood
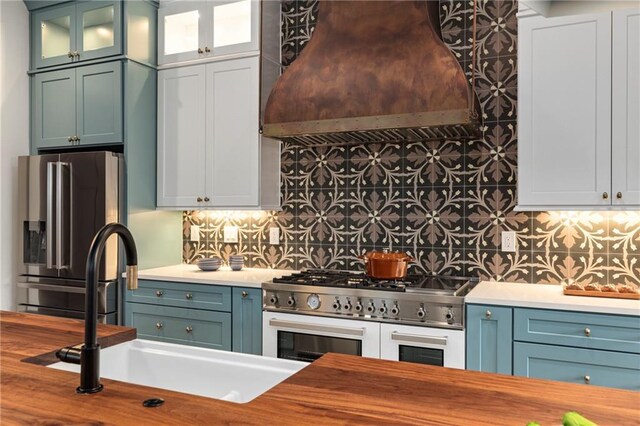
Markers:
<point>374,71</point>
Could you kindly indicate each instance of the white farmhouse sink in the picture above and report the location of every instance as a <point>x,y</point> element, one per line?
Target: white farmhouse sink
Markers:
<point>211,373</point>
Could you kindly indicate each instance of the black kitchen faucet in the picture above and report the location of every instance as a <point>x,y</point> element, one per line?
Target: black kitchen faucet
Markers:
<point>88,355</point>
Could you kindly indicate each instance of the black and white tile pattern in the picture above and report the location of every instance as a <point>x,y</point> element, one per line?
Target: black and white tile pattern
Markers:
<point>445,203</point>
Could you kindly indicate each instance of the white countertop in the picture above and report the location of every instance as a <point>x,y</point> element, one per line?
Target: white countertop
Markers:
<point>247,277</point>
<point>547,296</point>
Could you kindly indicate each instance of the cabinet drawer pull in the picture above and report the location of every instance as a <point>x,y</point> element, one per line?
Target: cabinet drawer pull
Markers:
<point>189,296</point>
<point>159,293</point>
<point>619,195</point>
<point>488,314</point>
<point>199,199</point>
<point>70,54</point>
<point>200,51</point>
<point>587,332</point>
<point>70,138</point>
<point>76,54</point>
<point>587,379</point>
<point>605,195</point>
<point>189,329</point>
<point>207,50</point>
<point>159,325</point>
<point>206,199</point>
<point>245,294</point>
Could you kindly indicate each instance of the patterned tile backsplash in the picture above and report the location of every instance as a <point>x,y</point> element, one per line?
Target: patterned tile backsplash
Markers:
<point>445,203</point>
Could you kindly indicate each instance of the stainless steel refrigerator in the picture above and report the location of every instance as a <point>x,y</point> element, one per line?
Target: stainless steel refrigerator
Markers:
<point>64,199</point>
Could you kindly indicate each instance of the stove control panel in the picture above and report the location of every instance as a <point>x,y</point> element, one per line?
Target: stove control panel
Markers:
<point>418,311</point>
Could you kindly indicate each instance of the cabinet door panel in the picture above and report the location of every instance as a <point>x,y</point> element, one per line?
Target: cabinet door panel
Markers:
<point>99,103</point>
<point>247,320</point>
<point>564,107</point>
<point>54,36</point>
<point>593,367</point>
<point>54,109</point>
<point>181,31</point>
<point>234,26</point>
<point>626,107</point>
<point>489,338</point>
<point>99,26</point>
<point>233,150</point>
<point>181,136</point>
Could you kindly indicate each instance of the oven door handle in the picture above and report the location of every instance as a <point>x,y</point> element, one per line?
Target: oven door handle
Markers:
<point>350,331</point>
<point>415,338</point>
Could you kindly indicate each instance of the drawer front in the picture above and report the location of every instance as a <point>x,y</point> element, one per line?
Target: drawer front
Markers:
<point>593,367</point>
<point>208,329</point>
<point>591,331</point>
<point>183,295</point>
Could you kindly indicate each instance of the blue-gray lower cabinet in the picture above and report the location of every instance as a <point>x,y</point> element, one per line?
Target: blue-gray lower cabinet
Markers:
<point>210,329</point>
<point>489,338</point>
<point>247,320</point>
<point>574,365</point>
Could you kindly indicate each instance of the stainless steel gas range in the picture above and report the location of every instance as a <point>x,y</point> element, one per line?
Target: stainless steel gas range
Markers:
<point>417,319</point>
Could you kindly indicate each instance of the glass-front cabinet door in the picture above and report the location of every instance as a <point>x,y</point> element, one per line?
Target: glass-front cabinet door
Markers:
<point>54,36</point>
<point>99,33</point>
<point>182,32</point>
<point>234,26</point>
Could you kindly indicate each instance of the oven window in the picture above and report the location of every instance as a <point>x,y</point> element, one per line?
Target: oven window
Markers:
<point>427,356</point>
<point>309,347</point>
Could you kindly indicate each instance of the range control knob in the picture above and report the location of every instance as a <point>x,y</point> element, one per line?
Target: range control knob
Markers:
<point>291,301</point>
<point>449,315</point>
<point>273,299</point>
<point>395,310</point>
<point>383,309</point>
<point>371,308</point>
<point>347,306</point>
<point>421,312</point>
<point>336,305</point>
<point>358,307</point>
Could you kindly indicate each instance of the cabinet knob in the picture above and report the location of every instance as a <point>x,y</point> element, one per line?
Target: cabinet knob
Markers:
<point>619,195</point>
<point>159,293</point>
<point>189,296</point>
<point>76,54</point>
<point>199,199</point>
<point>206,199</point>
<point>245,294</point>
<point>189,329</point>
<point>605,195</point>
<point>587,379</point>
<point>159,325</point>
<point>70,138</point>
<point>200,51</point>
<point>77,138</point>
<point>207,50</point>
<point>488,314</point>
<point>587,332</point>
<point>70,54</point>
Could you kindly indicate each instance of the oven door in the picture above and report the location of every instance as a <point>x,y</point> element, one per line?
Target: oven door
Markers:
<point>422,345</point>
<point>307,337</point>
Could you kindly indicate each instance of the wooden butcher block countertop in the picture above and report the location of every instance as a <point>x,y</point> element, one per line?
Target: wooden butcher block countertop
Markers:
<point>336,389</point>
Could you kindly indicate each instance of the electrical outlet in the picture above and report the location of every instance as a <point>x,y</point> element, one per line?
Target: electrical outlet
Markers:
<point>230,234</point>
<point>509,241</point>
<point>274,236</point>
<point>195,233</point>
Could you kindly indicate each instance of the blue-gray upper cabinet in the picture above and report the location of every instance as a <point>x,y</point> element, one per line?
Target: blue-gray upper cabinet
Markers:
<point>78,106</point>
<point>489,338</point>
<point>190,30</point>
<point>247,320</point>
<point>76,32</point>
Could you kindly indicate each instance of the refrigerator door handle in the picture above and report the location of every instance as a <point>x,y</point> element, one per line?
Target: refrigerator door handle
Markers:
<point>49,219</point>
<point>62,215</point>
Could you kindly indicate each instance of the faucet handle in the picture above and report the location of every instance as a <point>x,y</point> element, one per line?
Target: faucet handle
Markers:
<point>132,277</point>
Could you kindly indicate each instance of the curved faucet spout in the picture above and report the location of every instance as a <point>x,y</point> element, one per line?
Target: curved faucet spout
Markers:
<point>90,351</point>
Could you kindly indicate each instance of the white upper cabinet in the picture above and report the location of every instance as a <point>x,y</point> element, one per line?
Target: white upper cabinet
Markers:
<point>210,152</point>
<point>191,30</point>
<point>626,108</point>
<point>578,145</point>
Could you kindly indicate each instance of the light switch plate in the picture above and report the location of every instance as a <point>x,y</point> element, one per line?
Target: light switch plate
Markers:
<point>230,234</point>
<point>509,241</point>
<point>195,233</point>
<point>274,236</point>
